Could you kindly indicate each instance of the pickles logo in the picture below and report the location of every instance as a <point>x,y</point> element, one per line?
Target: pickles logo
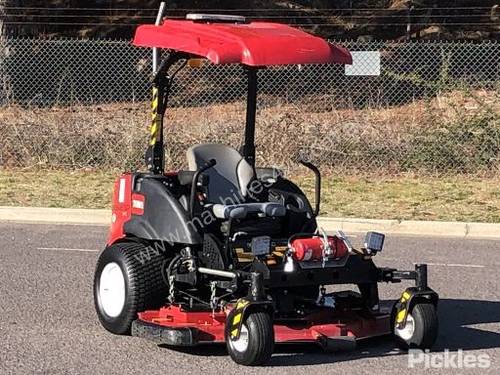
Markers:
<point>447,359</point>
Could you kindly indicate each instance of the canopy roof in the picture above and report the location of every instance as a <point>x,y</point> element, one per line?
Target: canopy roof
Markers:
<point>252,44</point>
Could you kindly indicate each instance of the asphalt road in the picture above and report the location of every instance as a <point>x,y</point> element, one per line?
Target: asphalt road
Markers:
<point>48,323</point>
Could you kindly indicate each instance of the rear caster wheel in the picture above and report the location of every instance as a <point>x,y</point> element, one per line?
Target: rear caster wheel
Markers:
<point>421,329</point>
<point>256,342</point>
<point>125,284</point>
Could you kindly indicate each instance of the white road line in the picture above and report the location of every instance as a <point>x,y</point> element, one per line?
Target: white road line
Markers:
<point>457,265</point>
<point>67,249</point>
<point>445,264</point>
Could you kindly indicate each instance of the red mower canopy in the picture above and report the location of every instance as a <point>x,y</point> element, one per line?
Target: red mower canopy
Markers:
<point>252,43</point>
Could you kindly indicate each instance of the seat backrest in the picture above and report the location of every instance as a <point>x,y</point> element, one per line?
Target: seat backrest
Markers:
<point>228,180</point>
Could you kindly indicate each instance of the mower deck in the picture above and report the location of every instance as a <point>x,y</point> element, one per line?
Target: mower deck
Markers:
<point>171,325</point>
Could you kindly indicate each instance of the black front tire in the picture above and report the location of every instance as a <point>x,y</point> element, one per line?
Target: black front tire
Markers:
<point>260,340</point>
<point>425,328</point>
<point>142,279</point>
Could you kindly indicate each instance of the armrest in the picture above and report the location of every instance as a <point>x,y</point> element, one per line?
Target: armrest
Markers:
<point>268,173</point>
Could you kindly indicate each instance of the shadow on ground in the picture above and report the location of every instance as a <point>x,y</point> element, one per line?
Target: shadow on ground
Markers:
<point>456,317</point>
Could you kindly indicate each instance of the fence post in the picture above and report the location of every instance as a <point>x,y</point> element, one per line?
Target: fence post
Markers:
<point>408,20</point>
<point>2,17</point>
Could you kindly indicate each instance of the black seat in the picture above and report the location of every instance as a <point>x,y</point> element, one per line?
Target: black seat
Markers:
<point>228,182</point>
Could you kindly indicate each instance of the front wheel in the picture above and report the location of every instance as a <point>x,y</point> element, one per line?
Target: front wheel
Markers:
<point>256,342</point>
<point>420,330</point>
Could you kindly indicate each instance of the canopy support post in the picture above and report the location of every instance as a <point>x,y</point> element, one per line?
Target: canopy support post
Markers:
<point>155,153</point>
<point>249,145</point>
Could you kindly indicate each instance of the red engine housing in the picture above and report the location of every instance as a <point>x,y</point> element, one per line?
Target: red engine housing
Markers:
<point>312,248</point>
<point>125,204</point>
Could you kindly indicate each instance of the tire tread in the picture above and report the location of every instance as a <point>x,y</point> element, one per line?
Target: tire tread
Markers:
<point>146,289</point>
<point>426,328</point>
<point>261,340</point>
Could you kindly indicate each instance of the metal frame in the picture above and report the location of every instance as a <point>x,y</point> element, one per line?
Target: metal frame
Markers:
<point>162,82</point>
<point>249,145</point>
<point>182,326</point>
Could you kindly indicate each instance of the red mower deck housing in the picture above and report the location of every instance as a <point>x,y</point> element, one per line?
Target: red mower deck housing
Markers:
<point>172,325</point>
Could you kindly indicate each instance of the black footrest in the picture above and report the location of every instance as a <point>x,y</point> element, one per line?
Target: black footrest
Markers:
<point>162,335</point>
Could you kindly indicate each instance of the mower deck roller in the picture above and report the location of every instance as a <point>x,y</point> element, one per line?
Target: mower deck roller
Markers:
<point>229,251</point>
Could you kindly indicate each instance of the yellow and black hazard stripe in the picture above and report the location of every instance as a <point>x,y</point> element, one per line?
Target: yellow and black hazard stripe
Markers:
<point>155,117</point>
<point>236,318</point>
<point>409,298</point>
<point>402,310</point>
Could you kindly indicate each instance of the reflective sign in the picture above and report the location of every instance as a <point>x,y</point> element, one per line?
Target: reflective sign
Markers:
<point>364,63</point>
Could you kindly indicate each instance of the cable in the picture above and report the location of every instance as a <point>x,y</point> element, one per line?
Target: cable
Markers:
<point>404,24</point>
<point>247,10</point>
<point>250,17</point>
<point>316,19</point>
<point>292,24</point>
<point>70,23</point>
<point>71,16</point>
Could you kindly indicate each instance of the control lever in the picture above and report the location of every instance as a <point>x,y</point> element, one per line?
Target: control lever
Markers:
<point>211,163</point>
<point>346,240</point>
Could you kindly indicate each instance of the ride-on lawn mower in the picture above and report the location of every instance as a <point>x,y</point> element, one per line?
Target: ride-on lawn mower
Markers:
<point>227,251</point>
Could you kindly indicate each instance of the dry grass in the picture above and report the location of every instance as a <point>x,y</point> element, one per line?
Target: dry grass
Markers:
<point>451,134</point>
<point>403,197</point>
<point>457,132</point>
<point>409,197</point>
<point>78,189</point>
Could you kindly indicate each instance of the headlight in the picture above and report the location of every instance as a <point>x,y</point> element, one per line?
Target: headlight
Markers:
<point>374,242</point>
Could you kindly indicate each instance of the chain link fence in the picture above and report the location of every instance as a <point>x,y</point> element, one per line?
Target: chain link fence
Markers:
<point>433,108</point>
